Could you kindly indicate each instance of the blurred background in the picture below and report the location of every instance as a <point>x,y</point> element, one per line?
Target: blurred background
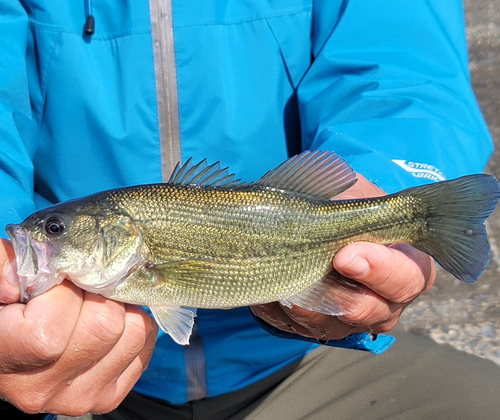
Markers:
<point>467,316</point>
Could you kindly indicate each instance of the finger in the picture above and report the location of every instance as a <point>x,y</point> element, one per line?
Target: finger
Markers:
<point>133,372</point>
<point>399,273</point>
<point>37,333</point>
<point>374,314</point>
<point>140,363</point>
<point>124,384</point>
<point>361,189</point>
<point>274,314</point>
<point>307,323</point>
<point>371,313</point>
<point>99,328</point>
<point>102,387</point>
<point>140,329</point>
<point>9,282</point>
<point>318,325</point>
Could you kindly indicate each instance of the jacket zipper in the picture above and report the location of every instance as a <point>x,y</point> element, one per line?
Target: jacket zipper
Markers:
<point>166,84</point>
<point>196,370</point>
<point>168,118</point>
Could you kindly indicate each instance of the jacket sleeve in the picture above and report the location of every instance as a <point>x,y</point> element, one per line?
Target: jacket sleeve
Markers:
<point>389,90</point>
<point>18,131</point>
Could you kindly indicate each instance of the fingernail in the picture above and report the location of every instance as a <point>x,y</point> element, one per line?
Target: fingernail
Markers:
<point>356,266</point>
<point>10,273</point>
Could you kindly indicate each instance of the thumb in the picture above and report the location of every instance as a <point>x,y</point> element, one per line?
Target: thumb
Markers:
<point>9,282</point>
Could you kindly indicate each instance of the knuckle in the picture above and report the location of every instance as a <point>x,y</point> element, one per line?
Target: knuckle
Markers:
<point>387,326</point>
<point>106,405</point>
<point>363,314</point>
<point>140,323</point>
<point>151,325</point>
<point>77,409</point>
<point>151,330</point>
<point>46,344</point>
<point>409,292</point>
<point>105,326</point>
<point>139,328</point>
<point>31,403</point>
<point>110,406</point>
<point>134,341</point>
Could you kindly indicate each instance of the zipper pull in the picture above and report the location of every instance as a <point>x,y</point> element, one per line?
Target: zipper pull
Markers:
<point>89,27</point>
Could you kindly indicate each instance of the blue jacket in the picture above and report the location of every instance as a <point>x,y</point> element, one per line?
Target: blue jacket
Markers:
<point>383,83</point>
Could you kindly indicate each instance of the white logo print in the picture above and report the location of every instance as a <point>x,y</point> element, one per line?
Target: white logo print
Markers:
<point>421,170</point>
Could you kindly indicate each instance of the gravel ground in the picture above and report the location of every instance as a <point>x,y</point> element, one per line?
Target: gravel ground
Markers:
<point>467,316</point>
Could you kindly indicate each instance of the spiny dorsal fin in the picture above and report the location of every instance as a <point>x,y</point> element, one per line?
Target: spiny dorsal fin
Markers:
<point>203,174</point>
<point>318,173</point>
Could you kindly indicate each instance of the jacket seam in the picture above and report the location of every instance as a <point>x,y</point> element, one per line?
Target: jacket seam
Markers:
<point>283,55</point>
<point>104,37</point>
<point>45,78</point>
<point>238,22</point>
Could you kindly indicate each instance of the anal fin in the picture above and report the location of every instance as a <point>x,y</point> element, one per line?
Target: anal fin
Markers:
<point>333,295</point>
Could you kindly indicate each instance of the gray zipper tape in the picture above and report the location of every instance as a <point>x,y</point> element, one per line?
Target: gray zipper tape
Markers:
<point>166,84</point>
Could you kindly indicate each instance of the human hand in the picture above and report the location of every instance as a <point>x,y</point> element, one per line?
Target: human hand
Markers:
<point>391,277</point>
<point>68,351</point>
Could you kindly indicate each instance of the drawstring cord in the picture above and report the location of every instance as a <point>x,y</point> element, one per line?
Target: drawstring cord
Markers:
<point>89,27</point>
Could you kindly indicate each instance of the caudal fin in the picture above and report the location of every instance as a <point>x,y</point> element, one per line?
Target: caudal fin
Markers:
<point>456,235</point>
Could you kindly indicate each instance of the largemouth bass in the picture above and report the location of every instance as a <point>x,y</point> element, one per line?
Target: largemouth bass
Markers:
<point>206,240</point>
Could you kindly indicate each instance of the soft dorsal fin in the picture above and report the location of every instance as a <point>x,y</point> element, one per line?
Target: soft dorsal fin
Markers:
<point>318,173</point>
<point>203,174</point>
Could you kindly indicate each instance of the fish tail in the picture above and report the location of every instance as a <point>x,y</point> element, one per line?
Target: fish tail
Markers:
<point>455,234</point>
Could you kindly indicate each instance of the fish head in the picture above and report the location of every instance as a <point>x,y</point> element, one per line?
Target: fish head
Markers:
<point>95,250</point>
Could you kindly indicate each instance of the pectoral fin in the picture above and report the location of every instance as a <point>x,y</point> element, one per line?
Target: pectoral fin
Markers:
<point>187,271</point>
<point>333,295</point>
<point>175,321</point>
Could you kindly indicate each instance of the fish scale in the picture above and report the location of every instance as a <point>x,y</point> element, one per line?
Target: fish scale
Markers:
<point>249,256</point>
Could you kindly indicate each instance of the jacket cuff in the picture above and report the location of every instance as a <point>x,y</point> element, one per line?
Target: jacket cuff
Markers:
<point>373,343</point>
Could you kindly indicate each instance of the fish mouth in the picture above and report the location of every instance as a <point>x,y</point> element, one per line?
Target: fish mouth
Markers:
<point>32,259</point>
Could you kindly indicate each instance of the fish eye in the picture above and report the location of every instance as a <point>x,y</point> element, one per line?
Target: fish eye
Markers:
<point>54,226</point>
